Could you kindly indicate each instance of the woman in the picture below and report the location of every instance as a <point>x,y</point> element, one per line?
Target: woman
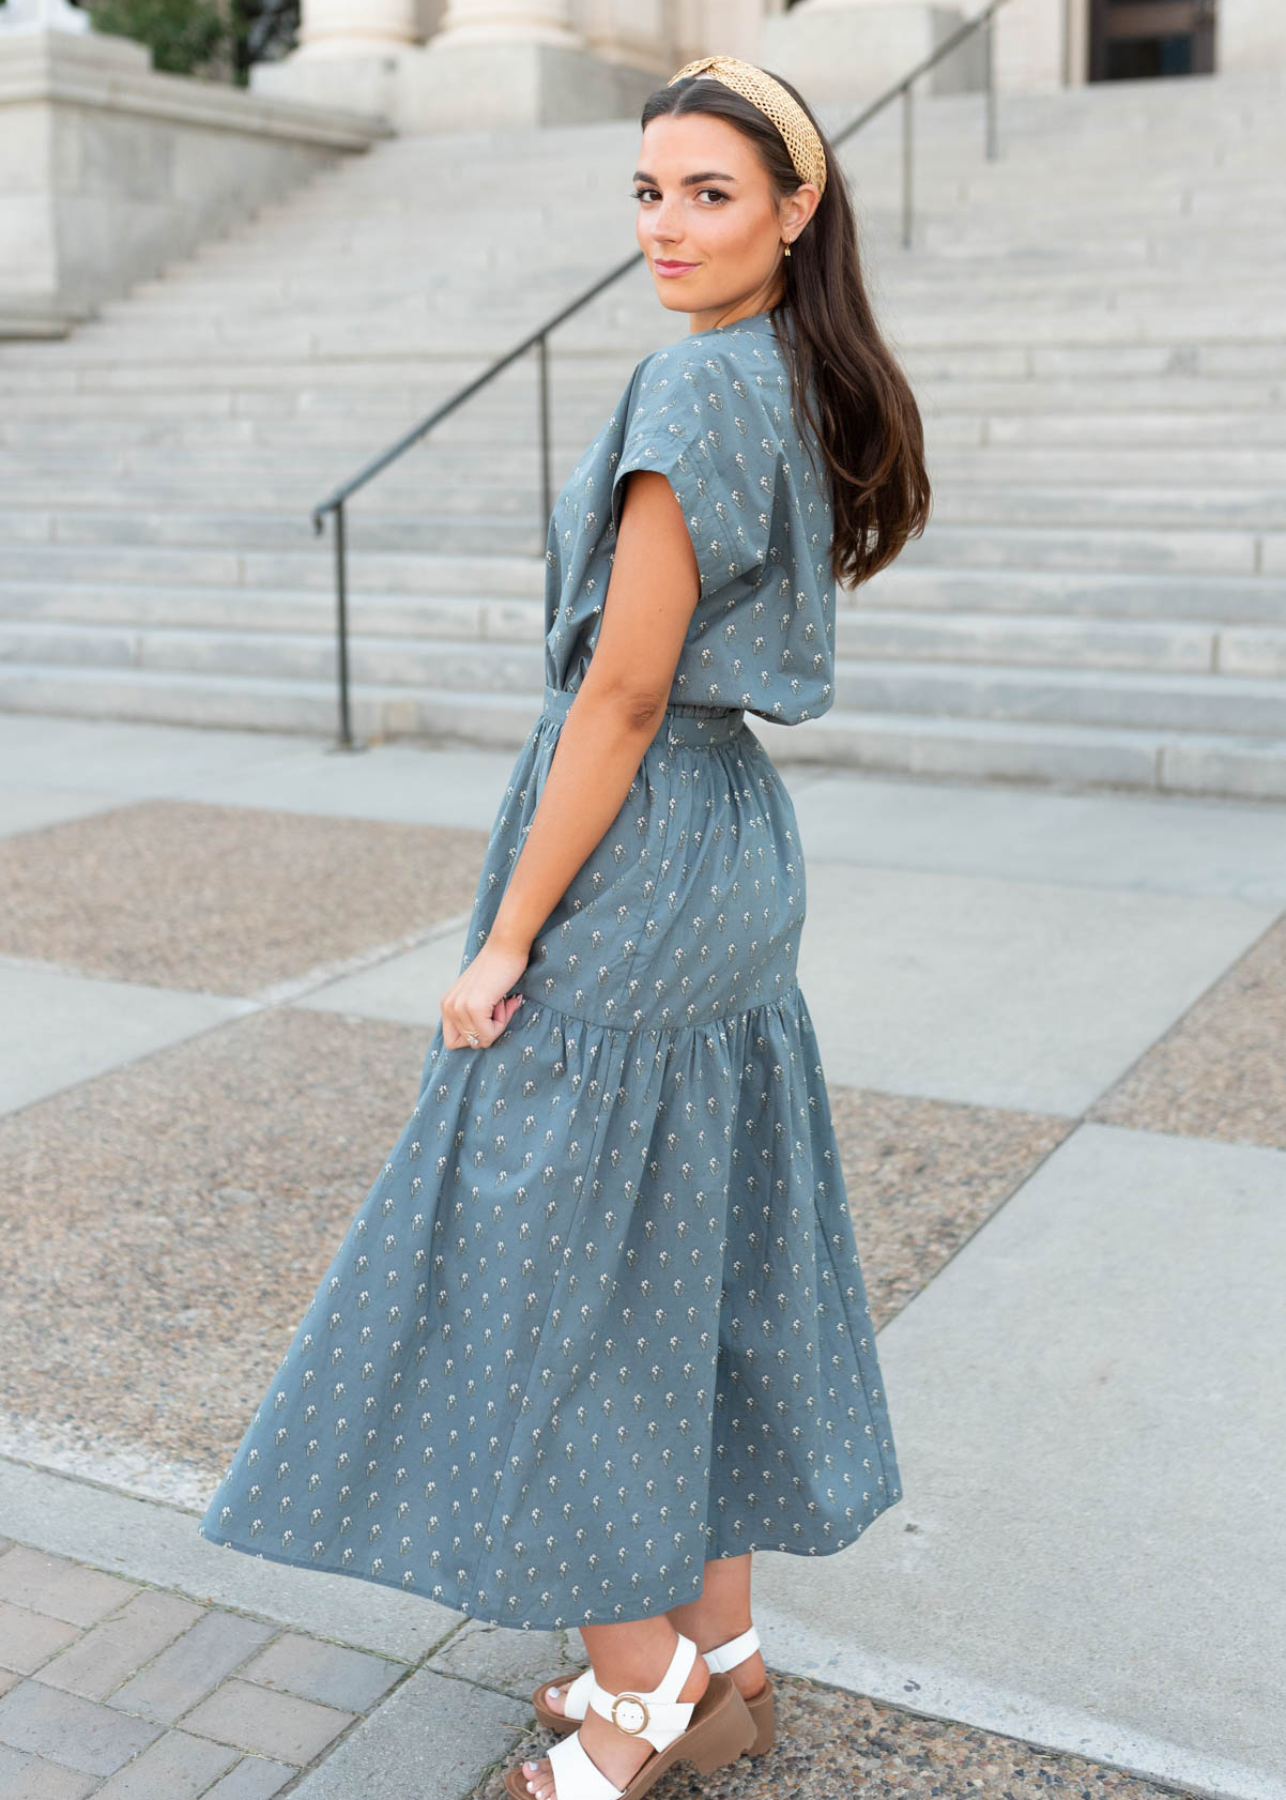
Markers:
<point>599,1330</point>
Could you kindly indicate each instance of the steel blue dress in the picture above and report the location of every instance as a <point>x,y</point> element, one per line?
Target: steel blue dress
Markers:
<point>601,1316</point>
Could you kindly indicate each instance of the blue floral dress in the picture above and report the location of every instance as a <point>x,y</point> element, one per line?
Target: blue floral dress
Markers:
<point>601,1316</point>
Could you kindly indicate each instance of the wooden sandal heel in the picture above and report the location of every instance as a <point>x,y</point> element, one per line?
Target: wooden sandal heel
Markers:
<point>721,1660</point>
<point>708,1733</point>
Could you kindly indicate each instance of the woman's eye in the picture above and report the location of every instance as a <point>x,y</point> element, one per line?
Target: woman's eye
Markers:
<point>642,193</point>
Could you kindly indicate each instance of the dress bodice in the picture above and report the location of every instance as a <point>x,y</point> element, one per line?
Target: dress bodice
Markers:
<point>714,413</point>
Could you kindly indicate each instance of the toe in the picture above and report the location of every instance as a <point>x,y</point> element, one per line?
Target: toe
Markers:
<point>554,1699</point>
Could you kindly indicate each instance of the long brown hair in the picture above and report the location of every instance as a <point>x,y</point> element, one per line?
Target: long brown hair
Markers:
<point>866,421</point>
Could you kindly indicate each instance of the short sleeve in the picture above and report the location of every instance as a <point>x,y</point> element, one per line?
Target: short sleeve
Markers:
<point>697,419</point>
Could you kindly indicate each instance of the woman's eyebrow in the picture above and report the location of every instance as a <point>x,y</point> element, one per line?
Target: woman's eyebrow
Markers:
<point>688,180</point>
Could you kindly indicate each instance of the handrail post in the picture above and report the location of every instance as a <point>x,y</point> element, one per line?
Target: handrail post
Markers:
<point>908,127</point>
<point>345,741</point>
<point>989,61</point>
<point>546,482</point>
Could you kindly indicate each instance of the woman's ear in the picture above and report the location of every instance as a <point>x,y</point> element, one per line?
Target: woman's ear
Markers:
<point>799,207</point>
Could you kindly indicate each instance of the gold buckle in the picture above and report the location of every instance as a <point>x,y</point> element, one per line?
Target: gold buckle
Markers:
<point>636,1701</point>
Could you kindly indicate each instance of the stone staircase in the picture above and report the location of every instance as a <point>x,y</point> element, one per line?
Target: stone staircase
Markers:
<point>1093,325</point>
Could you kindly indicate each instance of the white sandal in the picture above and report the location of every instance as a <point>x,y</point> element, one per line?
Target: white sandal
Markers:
<point>708,1733</point>
<point>721,1660</point>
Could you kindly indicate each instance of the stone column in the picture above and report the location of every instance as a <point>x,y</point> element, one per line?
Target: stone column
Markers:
<point>43,15</point>
<point>348,55</point>
<point>854,49</point>
<point>356,27</point>
<point>629,31</point>
<point>1250,34</point>
<point>489,22</point>
<point>504,63</point>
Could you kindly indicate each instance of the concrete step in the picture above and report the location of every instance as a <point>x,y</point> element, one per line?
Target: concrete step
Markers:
<point>1225,639</point>
<point>1162,699</point>
<point>178,567</point>
<point>963,749</point>
<point>1217,601</point>
<point>403,510</point>
<point>407,638</point>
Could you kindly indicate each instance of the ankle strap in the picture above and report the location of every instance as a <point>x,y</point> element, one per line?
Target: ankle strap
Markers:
<point>736,1650</point>
<point>657,1716</point>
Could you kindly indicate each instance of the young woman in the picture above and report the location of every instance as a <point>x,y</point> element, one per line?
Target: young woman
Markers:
<point>599,1330</point>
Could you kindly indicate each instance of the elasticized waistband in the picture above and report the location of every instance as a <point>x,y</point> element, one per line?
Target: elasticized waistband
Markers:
<point>685,722</point>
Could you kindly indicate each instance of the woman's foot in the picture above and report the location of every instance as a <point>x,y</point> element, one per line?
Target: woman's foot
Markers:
<point>750,1676</point>
<point>619,1754</point>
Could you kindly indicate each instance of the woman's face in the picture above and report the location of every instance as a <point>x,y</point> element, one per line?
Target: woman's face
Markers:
<point>708,222</point>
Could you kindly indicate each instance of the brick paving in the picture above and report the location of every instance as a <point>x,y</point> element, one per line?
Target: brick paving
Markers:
<point>135,1694</point>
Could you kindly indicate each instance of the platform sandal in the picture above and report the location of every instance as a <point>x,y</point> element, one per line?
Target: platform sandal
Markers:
<point>708,1733</point>
<point>721,1660</point>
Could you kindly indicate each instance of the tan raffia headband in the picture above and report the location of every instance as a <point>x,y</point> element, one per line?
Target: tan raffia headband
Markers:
<point>771,98</point>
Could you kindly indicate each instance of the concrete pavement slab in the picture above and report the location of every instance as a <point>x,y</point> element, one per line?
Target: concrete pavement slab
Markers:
<point>1091,1437</point>
<point>1002,993</point>
<point>147,1540</point>
<point>397,783</point>
<point>31,808</point>
<point>58,1029</point>
<point>132,760</point>
<point>1160,844</point>
<point>406,989</point>
<point>433,1736</point>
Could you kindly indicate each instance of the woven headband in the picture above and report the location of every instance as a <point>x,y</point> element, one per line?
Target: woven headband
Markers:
<point>796,128</point>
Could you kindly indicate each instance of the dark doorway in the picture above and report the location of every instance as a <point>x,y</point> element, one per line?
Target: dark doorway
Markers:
<point>1131,40</point>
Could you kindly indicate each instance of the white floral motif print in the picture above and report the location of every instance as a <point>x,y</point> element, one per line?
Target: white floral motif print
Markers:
<point>601,1316</point>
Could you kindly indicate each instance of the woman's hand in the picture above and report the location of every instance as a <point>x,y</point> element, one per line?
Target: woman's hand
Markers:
<point>475,1000</point>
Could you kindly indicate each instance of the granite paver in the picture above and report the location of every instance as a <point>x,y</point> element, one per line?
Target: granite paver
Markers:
<point>224,899</point>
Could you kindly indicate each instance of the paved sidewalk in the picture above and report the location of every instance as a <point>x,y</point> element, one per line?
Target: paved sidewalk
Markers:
<point>1052,1025</point>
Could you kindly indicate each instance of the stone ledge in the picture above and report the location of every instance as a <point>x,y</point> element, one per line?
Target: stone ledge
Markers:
<point>102,71</point>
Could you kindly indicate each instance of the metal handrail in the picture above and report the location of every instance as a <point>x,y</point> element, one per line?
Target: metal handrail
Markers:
<point>336,501</point>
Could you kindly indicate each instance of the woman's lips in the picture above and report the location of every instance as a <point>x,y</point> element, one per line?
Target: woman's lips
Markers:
<point>671,268</point>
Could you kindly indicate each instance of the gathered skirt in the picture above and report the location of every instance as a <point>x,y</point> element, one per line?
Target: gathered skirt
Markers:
<point>601,1316</point>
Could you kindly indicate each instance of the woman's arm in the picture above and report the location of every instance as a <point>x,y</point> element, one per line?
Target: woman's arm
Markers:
<point>651,596</point>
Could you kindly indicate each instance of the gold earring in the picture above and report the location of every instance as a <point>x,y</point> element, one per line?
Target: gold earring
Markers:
<point>788,249</point>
